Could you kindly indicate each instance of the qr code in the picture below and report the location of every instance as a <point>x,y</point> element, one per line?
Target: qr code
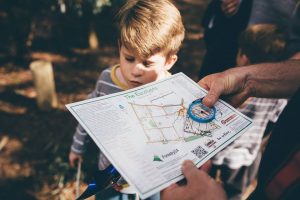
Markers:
<point>199,152</point>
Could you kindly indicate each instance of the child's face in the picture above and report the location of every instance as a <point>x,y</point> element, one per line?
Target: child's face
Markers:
<point>136,72</point>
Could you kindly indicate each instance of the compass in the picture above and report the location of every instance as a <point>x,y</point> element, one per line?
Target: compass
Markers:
<point>198,112</point>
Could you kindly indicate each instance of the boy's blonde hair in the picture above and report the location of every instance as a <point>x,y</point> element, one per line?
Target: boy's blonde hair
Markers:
<point>263,43</point>
<point>150,26</point>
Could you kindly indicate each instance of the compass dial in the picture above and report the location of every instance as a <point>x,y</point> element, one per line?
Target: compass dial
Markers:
<point>201,113</point>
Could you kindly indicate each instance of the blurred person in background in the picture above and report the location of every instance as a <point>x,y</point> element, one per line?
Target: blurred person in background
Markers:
<point>223,21</point>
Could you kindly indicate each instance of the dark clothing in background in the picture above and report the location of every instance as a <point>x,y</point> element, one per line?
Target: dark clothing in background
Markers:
<point>221,36</point>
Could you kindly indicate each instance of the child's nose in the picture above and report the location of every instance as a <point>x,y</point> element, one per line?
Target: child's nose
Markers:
<point>137,70</point>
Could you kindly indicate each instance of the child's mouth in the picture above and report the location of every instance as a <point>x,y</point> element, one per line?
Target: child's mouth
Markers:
<point>135,83</point>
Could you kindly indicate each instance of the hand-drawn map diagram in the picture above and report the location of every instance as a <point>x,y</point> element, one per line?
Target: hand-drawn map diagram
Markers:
<point>166,123</point>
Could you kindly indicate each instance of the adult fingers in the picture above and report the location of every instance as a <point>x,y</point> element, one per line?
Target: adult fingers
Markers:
<point>211,98</point>
<point>190,172</point>
<point>208,84</point>
<point>206,166</point>
<point>214,92</point>
<point>173,192</point>
<point>230,3</point>
<point>225,83</point>
<point>237,99</point>
<point>230,7</point>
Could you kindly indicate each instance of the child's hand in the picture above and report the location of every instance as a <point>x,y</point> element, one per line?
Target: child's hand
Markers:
<point>73,157</point>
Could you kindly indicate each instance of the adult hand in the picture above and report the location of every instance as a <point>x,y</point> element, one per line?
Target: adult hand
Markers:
<point>73,157</point>
<point>230,7</point>
<point>231,83</point>
<point>266,80</point>
<point>206,166</point>
<point>199,186</point>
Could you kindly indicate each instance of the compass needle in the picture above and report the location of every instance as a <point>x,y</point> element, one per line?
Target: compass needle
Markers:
<point>200,113</point>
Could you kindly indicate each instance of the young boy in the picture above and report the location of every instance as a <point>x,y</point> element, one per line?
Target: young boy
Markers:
<point>150,35</point>
<point>238,163</point>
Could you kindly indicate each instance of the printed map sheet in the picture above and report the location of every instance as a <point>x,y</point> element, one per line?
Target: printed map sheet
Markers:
<point>146,134</point>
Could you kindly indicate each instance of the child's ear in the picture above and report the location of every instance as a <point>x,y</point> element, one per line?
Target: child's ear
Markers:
<point>170,62</point>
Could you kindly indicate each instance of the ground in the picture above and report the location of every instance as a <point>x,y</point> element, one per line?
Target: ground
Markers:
<point>34,144</point>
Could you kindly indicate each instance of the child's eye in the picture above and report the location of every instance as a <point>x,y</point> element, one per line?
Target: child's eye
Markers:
<point>147,64</point>
<point>129,59</point>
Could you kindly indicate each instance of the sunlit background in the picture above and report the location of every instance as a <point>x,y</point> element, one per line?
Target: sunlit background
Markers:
<point>77,39</point>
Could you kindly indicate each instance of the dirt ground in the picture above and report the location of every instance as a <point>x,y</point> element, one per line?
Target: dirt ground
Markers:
<point>34,144</point>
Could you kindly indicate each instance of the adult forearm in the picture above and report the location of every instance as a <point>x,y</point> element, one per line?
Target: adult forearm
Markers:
<point>274,80</point>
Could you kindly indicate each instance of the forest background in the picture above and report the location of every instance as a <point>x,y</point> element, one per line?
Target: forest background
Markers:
<point>79,39</point>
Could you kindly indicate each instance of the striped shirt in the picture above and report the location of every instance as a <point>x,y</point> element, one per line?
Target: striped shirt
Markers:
<point>107,83</point>
<point>243,151</point>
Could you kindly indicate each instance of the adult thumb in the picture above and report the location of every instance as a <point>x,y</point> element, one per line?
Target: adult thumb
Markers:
<point>189,170</point>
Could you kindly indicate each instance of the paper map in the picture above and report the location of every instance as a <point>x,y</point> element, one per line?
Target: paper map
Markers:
<point>146,133</point>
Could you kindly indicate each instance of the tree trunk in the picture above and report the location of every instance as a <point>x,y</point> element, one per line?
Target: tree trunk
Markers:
<point>93,39</point>
<point>42,73</point>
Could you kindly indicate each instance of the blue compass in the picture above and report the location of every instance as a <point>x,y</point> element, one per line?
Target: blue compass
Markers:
<point>198,112</point>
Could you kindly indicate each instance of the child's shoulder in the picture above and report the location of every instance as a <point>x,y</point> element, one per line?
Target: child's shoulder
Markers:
<point>106,73</point>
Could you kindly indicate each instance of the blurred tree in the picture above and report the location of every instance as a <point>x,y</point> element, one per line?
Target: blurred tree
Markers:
<point>83,6</point>
<point>52,24</point>
<point>87,13</point>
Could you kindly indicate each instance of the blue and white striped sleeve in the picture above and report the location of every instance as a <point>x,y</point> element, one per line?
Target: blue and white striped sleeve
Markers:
<point>81,138</point>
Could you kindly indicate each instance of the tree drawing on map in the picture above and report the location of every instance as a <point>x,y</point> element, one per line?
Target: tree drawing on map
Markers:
<point>166,123</point>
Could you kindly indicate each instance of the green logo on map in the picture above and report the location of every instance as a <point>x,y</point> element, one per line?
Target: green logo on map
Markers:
<point>157,158</point>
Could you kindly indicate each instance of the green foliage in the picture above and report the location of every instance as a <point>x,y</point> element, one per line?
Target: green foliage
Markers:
<point>85,7</point>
